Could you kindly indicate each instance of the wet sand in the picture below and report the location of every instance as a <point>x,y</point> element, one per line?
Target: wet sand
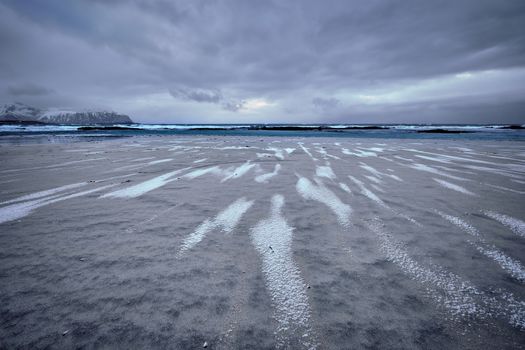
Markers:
<point>262,243</point>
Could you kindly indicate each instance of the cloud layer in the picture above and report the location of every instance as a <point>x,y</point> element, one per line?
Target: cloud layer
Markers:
<point>269,61</point>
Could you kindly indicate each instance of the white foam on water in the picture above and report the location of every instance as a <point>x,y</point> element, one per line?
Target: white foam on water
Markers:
<point>508,264</point>
<point>325,171</point>
<point>226,221</point>
<point>345,187</point>
<point>320,193</point>
<point>200,160</point>
<point>454,187</point>
<point>160,161</point>
<point>19,210</point>
<point>239,171</point>
<point>272,238</point>
<point>306,151</point>
<point>144,187</point>
<point>44,193</point>
<point>447,289</point>
<point>289,150</point>
<point>264,178</point>
<point>426,168</point>
<point>517,226</point>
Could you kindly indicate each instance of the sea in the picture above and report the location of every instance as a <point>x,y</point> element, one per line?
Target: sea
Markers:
<point>72,133</point>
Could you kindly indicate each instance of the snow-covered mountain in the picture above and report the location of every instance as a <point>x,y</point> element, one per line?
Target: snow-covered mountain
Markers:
<point>19,112</point>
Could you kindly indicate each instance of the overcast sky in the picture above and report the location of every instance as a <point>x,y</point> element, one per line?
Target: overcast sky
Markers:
<point>247,61</point>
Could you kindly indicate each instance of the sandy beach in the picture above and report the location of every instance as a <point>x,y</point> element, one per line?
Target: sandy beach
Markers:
<point>186,242</point>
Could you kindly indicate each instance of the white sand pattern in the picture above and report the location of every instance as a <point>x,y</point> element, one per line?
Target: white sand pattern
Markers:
<point>52,166</point>
<point>44,193</point>
<point>225,221</point>
<point>306,150</point>
<point>239,171</point>
<point>264,178</point>
<point>141,159</point>
<point>160,161</point>
<point>374,179</point>
<point>359,153</point>
<point>378,173</point>
<point>200,160</point>
<point>365,191</point>
<point>277,152</point>
<point>325,154</point>
<point>144,187</point>
<point>517,226</point>
<point>454,187</point>
<point>502,188</point>
<point>428,169</point>
<point>447,289</point>
<point>216,170</point>
<point>345,187</point>
<point>443,157</point>
<point>320,193</point>
<point>325,171</point>
<point>458,296</point>
<point>289,150</point>
<point>272,237</point>
<point>19,210</point>
<point>371,195</point>
<point>377,188</point>
<point>508,264</point>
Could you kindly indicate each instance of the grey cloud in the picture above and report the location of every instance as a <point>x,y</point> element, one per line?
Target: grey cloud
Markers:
<point>298,52</point>
<point>197,95</point>
<point>325,103</point>
<point>233,106</point>
<point>28,89</point>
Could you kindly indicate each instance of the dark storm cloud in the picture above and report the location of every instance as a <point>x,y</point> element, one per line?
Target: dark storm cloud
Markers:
<point>299,56</point>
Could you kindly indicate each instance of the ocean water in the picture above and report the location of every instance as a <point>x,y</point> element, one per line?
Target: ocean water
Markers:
<point>67,133</point>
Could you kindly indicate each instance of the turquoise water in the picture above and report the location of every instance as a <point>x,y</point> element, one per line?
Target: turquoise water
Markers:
<point>398,131</point>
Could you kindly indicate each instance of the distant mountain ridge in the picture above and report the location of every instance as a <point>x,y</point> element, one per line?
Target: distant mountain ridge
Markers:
<point>19,112</point>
